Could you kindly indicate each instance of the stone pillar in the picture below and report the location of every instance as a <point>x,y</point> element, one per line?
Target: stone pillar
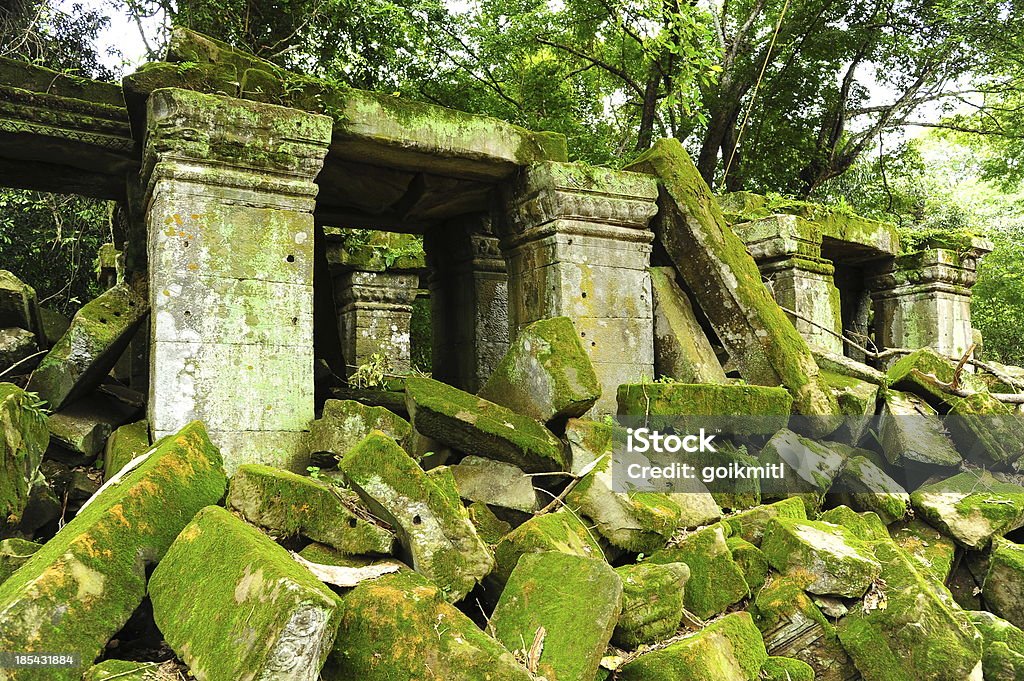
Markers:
<point>229,215</point>
<point>577,245</point>
<point>787,249</point>
<point>924,299</point>
<point>374,315</point>
<point>469,301</point>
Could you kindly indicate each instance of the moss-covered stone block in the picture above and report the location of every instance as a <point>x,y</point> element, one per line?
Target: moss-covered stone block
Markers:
<point>716,581</point>
<point>468,423</point>
<point>726,282</point>
<point>292,504</point>
<point>750,524</point>
<point>546,374</point>
<point>933,551</point>
<point>24,436</point>
<point>866,487</point>
<point>972,507</point>
<point>123,445</point>
<point>652,603</point>
<point>575,601</point>
<point>14,553</point>
<point>919,634</point>
<point>98,334</point>
<point>985,430</point>
<point>809,466</point>
<point>681,349</point>
<point>560,531</point>
<point>911,432</point>
<point>84,426</point>
<point>253,614</point>
<point>752,561</point>
<point>16,345</point>
<point>494,483</point>
<point>344,423</point>
<point>906,374</point>
<point>401,627</point>
<point>490,527</point>
<point>858,401</point>
<point>1003,589</point>
<point>866,526</point>
<point>751,409</point>
<point>1003,647</point>
<point>84,584</point>
<point>730,649</point>
<point>18,306</point>
<point>433,528</point>
<point>786,669</point>
<point>838,563</point>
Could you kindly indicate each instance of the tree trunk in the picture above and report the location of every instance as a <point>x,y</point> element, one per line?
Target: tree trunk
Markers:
<point>649,111</point>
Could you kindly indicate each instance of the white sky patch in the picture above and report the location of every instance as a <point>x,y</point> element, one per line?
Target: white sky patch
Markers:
<point>122,34</point>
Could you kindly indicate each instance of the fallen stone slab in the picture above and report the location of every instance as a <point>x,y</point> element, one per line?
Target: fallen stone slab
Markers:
<point>652,603</point>
<point>911,433</point>
<point>16,345</point>
<point>1003,647</point>
<point>123,445</point>
<point>715,265</point>
<point>858,401</point>
<point>864,486</point>
<point>14,553</point>
<point>494,483</point>
<point>716,581</point>
<point>752,561</point>
<point>838,563</point>
<point>985,430</point>
<point>292,504</point>
<point>919,634</point>
<point>750,524</point>
<point>546,374</point>
<point>743,409</point>
<point>1003,589</point>
<point>923,370</point>
<point>84,426</point>
<point>681,348</point>
<point>810,466</point>
<point>254,615</point>
<point>83,585</point>
<point>786,669</point>
<point>865,526</point>
<point>23,440</point>
<point>344,423</point>
<point>18,306</point>
<point>401,627</point>
<point>432,526</point>
<point>489,526</point>
<point>569,604</point>
<point>560,531</point>
<point>972,507</point>
<point>933,551</point>
<point>471,424</point>
<point>98,335</point>
<point>730,649</point>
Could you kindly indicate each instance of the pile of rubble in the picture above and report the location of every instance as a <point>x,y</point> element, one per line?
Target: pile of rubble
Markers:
<point>466,536</point>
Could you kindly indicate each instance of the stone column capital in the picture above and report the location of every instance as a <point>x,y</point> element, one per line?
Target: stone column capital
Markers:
<point>376,290</point>
<point>934,269</point>
<point>780,236</point>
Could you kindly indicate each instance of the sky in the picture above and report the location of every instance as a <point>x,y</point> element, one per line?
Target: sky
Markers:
<point>122,34</point>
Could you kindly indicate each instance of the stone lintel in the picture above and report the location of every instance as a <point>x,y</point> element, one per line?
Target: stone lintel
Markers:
<point>780,236</point>
<point>936,269</point>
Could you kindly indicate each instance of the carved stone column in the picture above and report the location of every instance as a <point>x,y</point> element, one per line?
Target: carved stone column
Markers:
<point>469,298</point>
<point>374,315</point>
<point>230,196</point>
<point>577,245</point>
<point>787,249</point>
<point>924,299</point>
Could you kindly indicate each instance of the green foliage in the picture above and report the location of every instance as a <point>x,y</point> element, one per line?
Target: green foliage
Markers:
<point>373,373</point>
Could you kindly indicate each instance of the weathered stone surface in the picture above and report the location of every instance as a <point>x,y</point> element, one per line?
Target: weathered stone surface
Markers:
<point>727,283</point>
<point>857,401</point>
<point>888,643</point>
<point>83,585</point>
<point>681,349</point>
<point>838,563</point>
<point>433,528</point>
<point>13,554</point>
<point>489,526</point>
<point>972,507</point>
<point>16,345</point>
<point>751,560</point>
<point>123,445</point>
<point>23,440</point>
<point>575,601</point>
<point>751,409</point>
<point>913,434</point>
<point>1003,589</point>
<point>1003,645</point>
<point>905,375</point>
<point>292,504</point>
<point>851,368</point>
<point>18,306</point>
<point>401,627</point>
<point>560,531</point>
<point>546,374</point>
<point>344,423</point>
<point>255,615</point>
<point>729,649</point>
<point>985,430</point>
<point>866,526</point>
<point>750,525</point>
<point>55,325</point>
<point>716,581</point>
<point>471,424</point>
<point>375,316</point>
<point>786,669</point>
<point>866,487</point>
<point>85,425</point>
<point>652,602</point>
<point>98,334</point>
<point>810,466</point>
<point>933,551</point>
<point>495,484</point>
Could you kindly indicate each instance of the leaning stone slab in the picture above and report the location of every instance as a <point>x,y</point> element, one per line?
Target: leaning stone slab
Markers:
<point>123,445</point>
<point>838,562</point>
<point>652,603</point>
<point>985,430</point>
<point>911,433</point>
<point>401,627</point>
<point>1003,644</point>
<point>857,402</point>
<point>471,424</point>
<point>432,525</point>
<point>730,649</point>
<point>546,374</point>
<point>864,486</point>
<point>716,266</point>
<point>747,409</point>
<point>494,483</point>
<point>972,507</point>
<point>919,634</point>
<point>716,581</point>
<point>570,604</point>
<point>344,423</point>
<point>1003,589</point>
<point>560,531</point>
<point>933,551</point>
<point>83,585</point>
<point>23,440</point>
<point>98,335</point>
<point>681,349</point>
<point>293,504</point>
<point>252,615</point>
<point>18,306</point>
<point>14,553</point>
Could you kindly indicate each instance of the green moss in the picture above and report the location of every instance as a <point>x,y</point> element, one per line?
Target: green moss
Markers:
<point>902,375</point>
<point>985,430</point>
<point>750,524</point>
<point>490,528</point>
<point>652,603</point>
<point>24,437</point>
<point>235,617</point>
<point>1003,645</point>
<point>865,526</point>
<point>748,407</point>
<point>14,553</point>
<point>123,670</point>
<point>123,445</point>
<point>868,487</point>
<point>560,531</point>
<point>782,597</point>
<point>751,560</point>
<point>786,669</point>
<point>933,551</point>
<point>971,507</point>
<point>344,423</point>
